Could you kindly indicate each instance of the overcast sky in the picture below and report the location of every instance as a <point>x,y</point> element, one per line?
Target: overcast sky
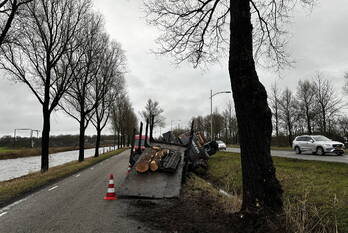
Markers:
<point>317,42</point>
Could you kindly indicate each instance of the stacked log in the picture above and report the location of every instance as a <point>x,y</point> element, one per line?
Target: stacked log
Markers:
<point>157,159</point>
<point>155,163</point>
<point>142,165</point>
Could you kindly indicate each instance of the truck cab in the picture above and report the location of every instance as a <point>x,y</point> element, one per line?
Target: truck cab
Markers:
<point>136,142</point>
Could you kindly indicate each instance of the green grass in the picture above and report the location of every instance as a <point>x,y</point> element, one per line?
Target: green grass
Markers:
<point>318,182</point>
<point>15,188</point>
<point>285,148</point>
<point>6,150</point>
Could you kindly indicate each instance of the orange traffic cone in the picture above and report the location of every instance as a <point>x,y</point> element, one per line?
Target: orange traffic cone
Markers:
<point>111,194</point>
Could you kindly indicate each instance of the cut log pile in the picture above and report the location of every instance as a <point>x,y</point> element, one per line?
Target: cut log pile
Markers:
<point>158,159</point>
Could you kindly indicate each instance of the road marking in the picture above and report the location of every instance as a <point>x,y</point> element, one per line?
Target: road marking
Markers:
<point>92,168</point>
<point>53,188</point>
<point>2,214</point>
<point>78,175</point>
<point>12,205</point>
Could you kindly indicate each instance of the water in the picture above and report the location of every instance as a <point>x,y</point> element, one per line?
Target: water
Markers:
<point>13,168</point>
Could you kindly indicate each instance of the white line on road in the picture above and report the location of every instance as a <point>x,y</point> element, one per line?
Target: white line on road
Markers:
<point>53,188</point>
<point>12,205</point>
<point>92,168</point>
<point>2,214</point>
<point>78,175</point>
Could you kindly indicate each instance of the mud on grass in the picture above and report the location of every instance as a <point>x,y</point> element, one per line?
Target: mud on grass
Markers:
<point>201,208</point>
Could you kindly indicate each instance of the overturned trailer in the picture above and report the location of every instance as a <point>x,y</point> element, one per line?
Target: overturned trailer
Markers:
<point>159,170</point>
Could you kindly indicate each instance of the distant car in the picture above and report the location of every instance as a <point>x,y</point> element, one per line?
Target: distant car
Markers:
<point>317,144</point>
<point>221,145</point>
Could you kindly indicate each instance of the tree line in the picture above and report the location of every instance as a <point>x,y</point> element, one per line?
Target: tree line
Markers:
<point>62,53</point>
<point>314,108</point>
<point>225,125</point>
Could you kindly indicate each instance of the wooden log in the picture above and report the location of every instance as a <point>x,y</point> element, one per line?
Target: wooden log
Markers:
<point>154,165</point>
<point>156,160</point>
<point>143,163</point>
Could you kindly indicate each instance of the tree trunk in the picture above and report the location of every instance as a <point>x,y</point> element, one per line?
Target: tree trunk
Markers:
<point>82,137</point>
<point>324,121</point>
<point>97,143</point>
<point>309,128</point>
<point>45,139</point>
<point>290,136</point>
<point>261,189</point>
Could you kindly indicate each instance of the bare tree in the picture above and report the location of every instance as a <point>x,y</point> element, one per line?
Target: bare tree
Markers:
<point>111,83</point>
<point>274,99</point>
<point>81,100</point>
<point>41,54</point>
<point>328,103</point>
<point>199,31</point>
<point>152,108</point>
<point>306,100</point>
<point>123,119</point>
<point>8,11</point>
<point>345,88</point>
<point>288,112</point>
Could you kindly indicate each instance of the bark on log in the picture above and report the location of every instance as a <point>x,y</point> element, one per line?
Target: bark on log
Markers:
<point>143,164</point>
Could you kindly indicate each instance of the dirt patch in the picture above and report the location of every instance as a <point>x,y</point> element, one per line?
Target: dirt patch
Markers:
<point>201,208</point>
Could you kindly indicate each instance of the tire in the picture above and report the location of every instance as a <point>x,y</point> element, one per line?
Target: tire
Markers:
<point>320,151</point>
<point>297,150</point>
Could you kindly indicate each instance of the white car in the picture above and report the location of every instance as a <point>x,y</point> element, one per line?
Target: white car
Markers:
<point>221,145</point>
<point>317,144</point>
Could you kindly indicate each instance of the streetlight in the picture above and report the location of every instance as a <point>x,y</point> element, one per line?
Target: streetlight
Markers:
<point>211,109</point>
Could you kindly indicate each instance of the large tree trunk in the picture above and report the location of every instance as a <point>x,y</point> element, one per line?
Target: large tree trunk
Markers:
<point>45,139</point>
<point>261,189</point>
<point>97,144</point>
<point>82,138</point>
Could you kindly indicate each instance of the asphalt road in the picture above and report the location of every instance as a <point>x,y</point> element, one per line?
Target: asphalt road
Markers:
<point>75,204</point>
<point>306,156</point>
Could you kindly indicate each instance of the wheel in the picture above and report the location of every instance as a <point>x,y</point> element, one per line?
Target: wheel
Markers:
<point>297,150</point>
<point>320,151</point>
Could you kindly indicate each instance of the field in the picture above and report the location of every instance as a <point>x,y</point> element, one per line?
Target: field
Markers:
<point>6,150</point>
<point>316,186</point>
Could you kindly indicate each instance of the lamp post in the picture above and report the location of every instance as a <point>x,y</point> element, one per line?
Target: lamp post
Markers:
<point>211,110</point>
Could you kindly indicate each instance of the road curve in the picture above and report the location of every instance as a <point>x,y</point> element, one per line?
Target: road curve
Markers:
<point>306,156</point>
<point>75,204</point>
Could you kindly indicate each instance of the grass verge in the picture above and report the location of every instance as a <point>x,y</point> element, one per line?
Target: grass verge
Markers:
<point>16,188</point>
<point>321,186</point>
<point>284,148</point>
<point>10,153</point>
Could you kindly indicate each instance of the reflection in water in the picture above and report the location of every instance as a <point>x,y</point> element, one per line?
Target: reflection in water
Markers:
<point>13,168</point>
